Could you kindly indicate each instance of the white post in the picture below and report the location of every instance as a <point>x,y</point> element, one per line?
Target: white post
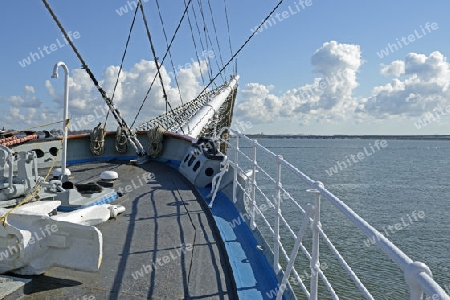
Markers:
<point>276,233</point>
<point>236,169</point>
<point>298,241</point>
<point>315,249</point>
<point>66,113</point>
<point>253,200</point>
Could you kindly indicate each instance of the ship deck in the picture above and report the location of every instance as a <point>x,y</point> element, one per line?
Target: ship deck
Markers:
<point>164,246</point>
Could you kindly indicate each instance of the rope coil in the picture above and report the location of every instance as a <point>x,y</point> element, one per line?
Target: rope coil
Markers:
<point>121,140</point>
<point>97,145</point>
<point>155,137</point>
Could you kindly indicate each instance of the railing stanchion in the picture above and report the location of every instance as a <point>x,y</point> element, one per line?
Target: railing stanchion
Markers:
<point>236,169</point>
<point>276,234</point>
<point>314,264</point>
<point>253,200</point>
<point>294,253</point>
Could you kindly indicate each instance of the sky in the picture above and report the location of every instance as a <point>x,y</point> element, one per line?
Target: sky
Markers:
<point>316,67</point>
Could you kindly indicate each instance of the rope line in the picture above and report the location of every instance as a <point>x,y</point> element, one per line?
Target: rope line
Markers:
<point>83,63</point>
<point>152,47</point>
<point>116,113</point>
<point>207,35</point>
<point>243,45</point>
<point>162,61</point>
<point>123,59</point>
<point>229,32</point>
<point>199,34</point>
<point>170,52</point>
<point>215,31</point>
<point>195,47</point>
<point>158,68</point>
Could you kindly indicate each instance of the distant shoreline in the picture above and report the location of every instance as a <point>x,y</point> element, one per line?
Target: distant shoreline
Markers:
<point>341,136</point>
<point>434,137</point>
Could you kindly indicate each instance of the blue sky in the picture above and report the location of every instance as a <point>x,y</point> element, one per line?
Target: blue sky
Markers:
<point>319,67</point>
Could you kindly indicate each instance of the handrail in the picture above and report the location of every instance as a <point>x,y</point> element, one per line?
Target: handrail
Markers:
<point>417,275</point>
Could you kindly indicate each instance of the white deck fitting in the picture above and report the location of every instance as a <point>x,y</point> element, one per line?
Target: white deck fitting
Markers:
<point>32,242</point>
<point>109,175</point>
<point>90,216</point>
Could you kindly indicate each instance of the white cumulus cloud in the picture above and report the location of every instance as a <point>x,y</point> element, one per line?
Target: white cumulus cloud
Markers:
<point>423,87</point>
<point>328,97</point>
<point>85,102</point>
<point>396,68</point>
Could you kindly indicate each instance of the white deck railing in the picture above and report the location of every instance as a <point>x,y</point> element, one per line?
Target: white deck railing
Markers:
<point>417,275</point>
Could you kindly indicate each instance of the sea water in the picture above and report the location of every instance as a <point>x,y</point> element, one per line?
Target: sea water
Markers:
<point>401,187</point>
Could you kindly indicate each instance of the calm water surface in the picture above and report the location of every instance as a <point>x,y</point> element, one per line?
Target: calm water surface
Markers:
<point>404,184</point>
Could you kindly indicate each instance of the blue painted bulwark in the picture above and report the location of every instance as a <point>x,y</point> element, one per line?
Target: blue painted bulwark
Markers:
<point>100,159</point>
<point>253,275</point>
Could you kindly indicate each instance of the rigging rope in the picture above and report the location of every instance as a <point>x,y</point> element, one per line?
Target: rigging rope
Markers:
<point>229,34</point>
<point>162,61</point>
<point>199,34</point>
<point>170,52</point>
<point>152,46</point>
<point>123,59</point>
<point>120,120</point>
<point>243,45</point>
<point>195,47</point>
<point>83,63</point>
<point>115,112</point>
<point>207,35</point>
<point>215,31</point>
<point>158,71</point>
